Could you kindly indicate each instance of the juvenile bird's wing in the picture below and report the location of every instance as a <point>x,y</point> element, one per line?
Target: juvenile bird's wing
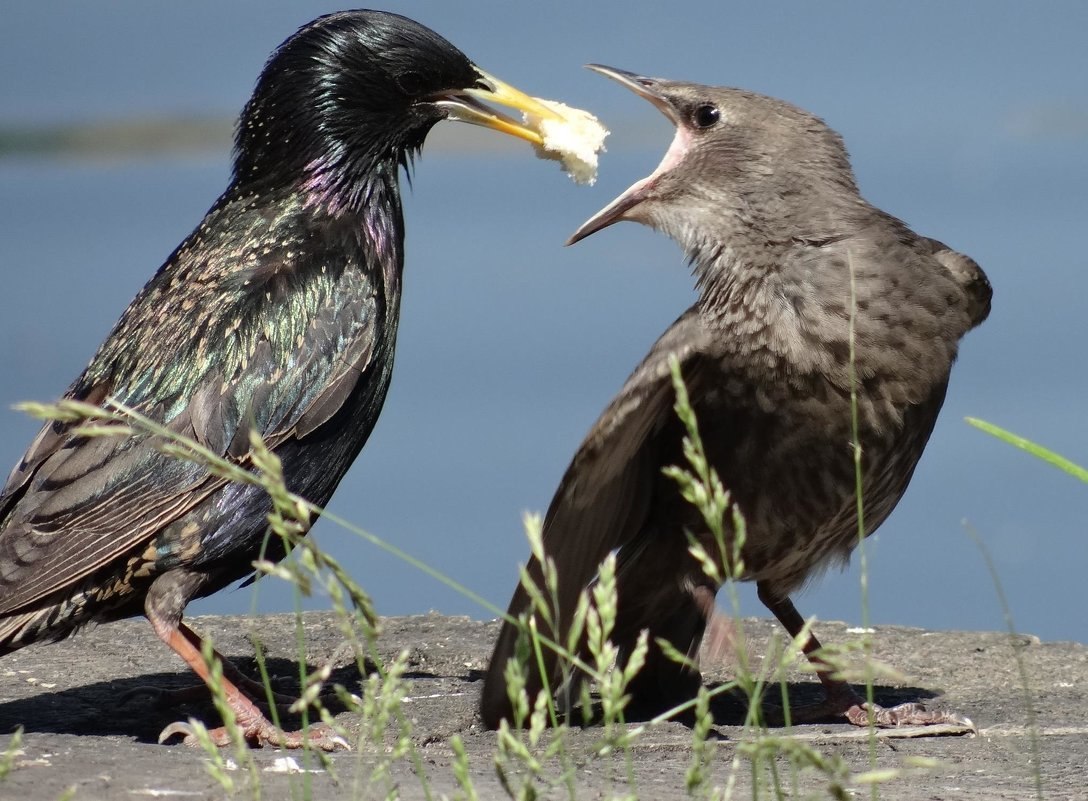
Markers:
<point>275,347</point>
<point>968,275</point>
<point>604,497</point>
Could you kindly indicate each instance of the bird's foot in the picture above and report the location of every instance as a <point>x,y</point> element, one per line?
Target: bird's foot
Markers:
<point>909,714</point>
<point>260,733</point>
<point>842,702</point>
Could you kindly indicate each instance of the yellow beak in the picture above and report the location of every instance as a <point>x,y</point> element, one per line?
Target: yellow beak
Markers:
<point>468,105</point>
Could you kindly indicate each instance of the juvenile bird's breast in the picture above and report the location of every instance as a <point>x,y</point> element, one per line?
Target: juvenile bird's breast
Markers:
<point>800,350</point>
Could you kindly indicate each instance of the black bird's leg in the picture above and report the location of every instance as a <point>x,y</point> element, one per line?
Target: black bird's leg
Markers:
<point>251,687</point>
<point>840,699</point>
<point>255,690</point>
<point>165,600</point>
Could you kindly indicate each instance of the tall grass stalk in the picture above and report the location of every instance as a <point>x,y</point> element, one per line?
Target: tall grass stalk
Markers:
<point>1080,473</point>
<point>863,555</point>
<point>11,753</point>
<point>1021,665</point>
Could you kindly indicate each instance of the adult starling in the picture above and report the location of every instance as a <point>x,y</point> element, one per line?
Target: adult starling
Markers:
<point>277,315</point>
<point>761,197</point>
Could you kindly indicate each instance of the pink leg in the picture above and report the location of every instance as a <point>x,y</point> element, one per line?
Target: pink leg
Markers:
<point>256,728</point>
<point>840,699</point>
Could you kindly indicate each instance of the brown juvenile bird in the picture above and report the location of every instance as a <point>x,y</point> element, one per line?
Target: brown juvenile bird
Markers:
<point>277,315</point>
<point>761,197</point>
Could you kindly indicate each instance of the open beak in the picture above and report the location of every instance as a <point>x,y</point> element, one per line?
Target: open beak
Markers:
<point>469,105</point>
<point>621,207</point>
<point>646,88</point>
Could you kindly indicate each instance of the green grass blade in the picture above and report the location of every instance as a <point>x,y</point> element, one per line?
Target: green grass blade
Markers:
<point>1036,450</point>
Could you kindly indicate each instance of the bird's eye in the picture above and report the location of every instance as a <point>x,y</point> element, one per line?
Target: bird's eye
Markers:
<point>411,83</point>
<point>706,116</point>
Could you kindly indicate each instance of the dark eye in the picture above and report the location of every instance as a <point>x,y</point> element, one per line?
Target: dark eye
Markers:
<point>411,83</point>
<point>705,116</point>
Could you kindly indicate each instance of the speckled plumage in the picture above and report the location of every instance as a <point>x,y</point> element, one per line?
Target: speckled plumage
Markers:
<point>763,201</point>
<point>278,314</point>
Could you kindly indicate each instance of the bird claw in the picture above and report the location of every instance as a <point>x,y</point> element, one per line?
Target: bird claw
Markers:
<point>179,727</point>
<point>261,733</point>
<point>328,740</point>
<point>843,702</point>
<point>319,736</point>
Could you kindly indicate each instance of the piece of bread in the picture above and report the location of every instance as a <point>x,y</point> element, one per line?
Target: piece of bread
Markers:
<point>570,136</point>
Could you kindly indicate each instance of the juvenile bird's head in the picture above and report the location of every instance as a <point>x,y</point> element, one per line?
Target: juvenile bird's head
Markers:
<point>356,92</point>
<point>740,163</point>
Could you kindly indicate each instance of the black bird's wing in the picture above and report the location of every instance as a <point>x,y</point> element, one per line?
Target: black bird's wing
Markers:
<point>276,347</point>
<point>604,498</point>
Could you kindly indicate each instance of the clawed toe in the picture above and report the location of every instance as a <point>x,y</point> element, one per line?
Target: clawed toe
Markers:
<point>909,714</point>
<point>181,729</point>
<point>261,733</point>
<point>842,702</point>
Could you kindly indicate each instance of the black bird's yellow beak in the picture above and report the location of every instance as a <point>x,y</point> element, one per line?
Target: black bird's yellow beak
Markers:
<point>469,105</point>
<point>622,206</point>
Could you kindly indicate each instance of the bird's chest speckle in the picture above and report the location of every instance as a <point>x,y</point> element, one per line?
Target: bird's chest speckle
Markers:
<point>785,450</point>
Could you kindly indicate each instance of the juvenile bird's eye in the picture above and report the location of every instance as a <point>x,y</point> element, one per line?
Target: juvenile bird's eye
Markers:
<point>705,116</point>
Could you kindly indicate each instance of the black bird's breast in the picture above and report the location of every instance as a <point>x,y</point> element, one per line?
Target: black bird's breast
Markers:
<point>304,358</point>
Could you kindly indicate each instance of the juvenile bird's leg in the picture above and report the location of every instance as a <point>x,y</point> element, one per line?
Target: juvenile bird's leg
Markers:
<point>165,600</point>
<point>840,698</point>
<point>720,635</point>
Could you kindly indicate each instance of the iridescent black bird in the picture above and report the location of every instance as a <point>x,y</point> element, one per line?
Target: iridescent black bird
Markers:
<point>278,314</point>
<point>803,286</point>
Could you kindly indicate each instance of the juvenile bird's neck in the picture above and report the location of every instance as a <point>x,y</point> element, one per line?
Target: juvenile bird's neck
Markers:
<point>771,299</point>
<point>751,251</point>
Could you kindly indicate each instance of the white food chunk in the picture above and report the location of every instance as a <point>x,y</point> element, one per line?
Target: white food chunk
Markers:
<point>571,136</point>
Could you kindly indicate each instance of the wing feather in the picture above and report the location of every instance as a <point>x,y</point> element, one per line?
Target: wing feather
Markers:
<point>603,499</point>
<point>279,357</point>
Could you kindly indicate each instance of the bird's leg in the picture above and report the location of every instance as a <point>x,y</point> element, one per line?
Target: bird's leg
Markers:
<point>719,643</point>
<point>256,690</point>
<point>162,607</point>
<point>840,699</point>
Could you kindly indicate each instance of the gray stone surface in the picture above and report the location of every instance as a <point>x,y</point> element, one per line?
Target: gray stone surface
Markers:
<point>81,737</point>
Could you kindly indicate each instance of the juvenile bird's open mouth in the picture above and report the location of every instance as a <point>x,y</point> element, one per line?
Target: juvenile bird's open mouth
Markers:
<point>628,204</point>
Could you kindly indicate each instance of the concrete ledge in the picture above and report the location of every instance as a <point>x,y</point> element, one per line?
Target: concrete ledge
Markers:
<point>78,735</point>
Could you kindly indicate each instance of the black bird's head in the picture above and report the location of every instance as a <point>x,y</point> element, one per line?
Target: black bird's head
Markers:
<point>356,92</point>
<point>738,160</point>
